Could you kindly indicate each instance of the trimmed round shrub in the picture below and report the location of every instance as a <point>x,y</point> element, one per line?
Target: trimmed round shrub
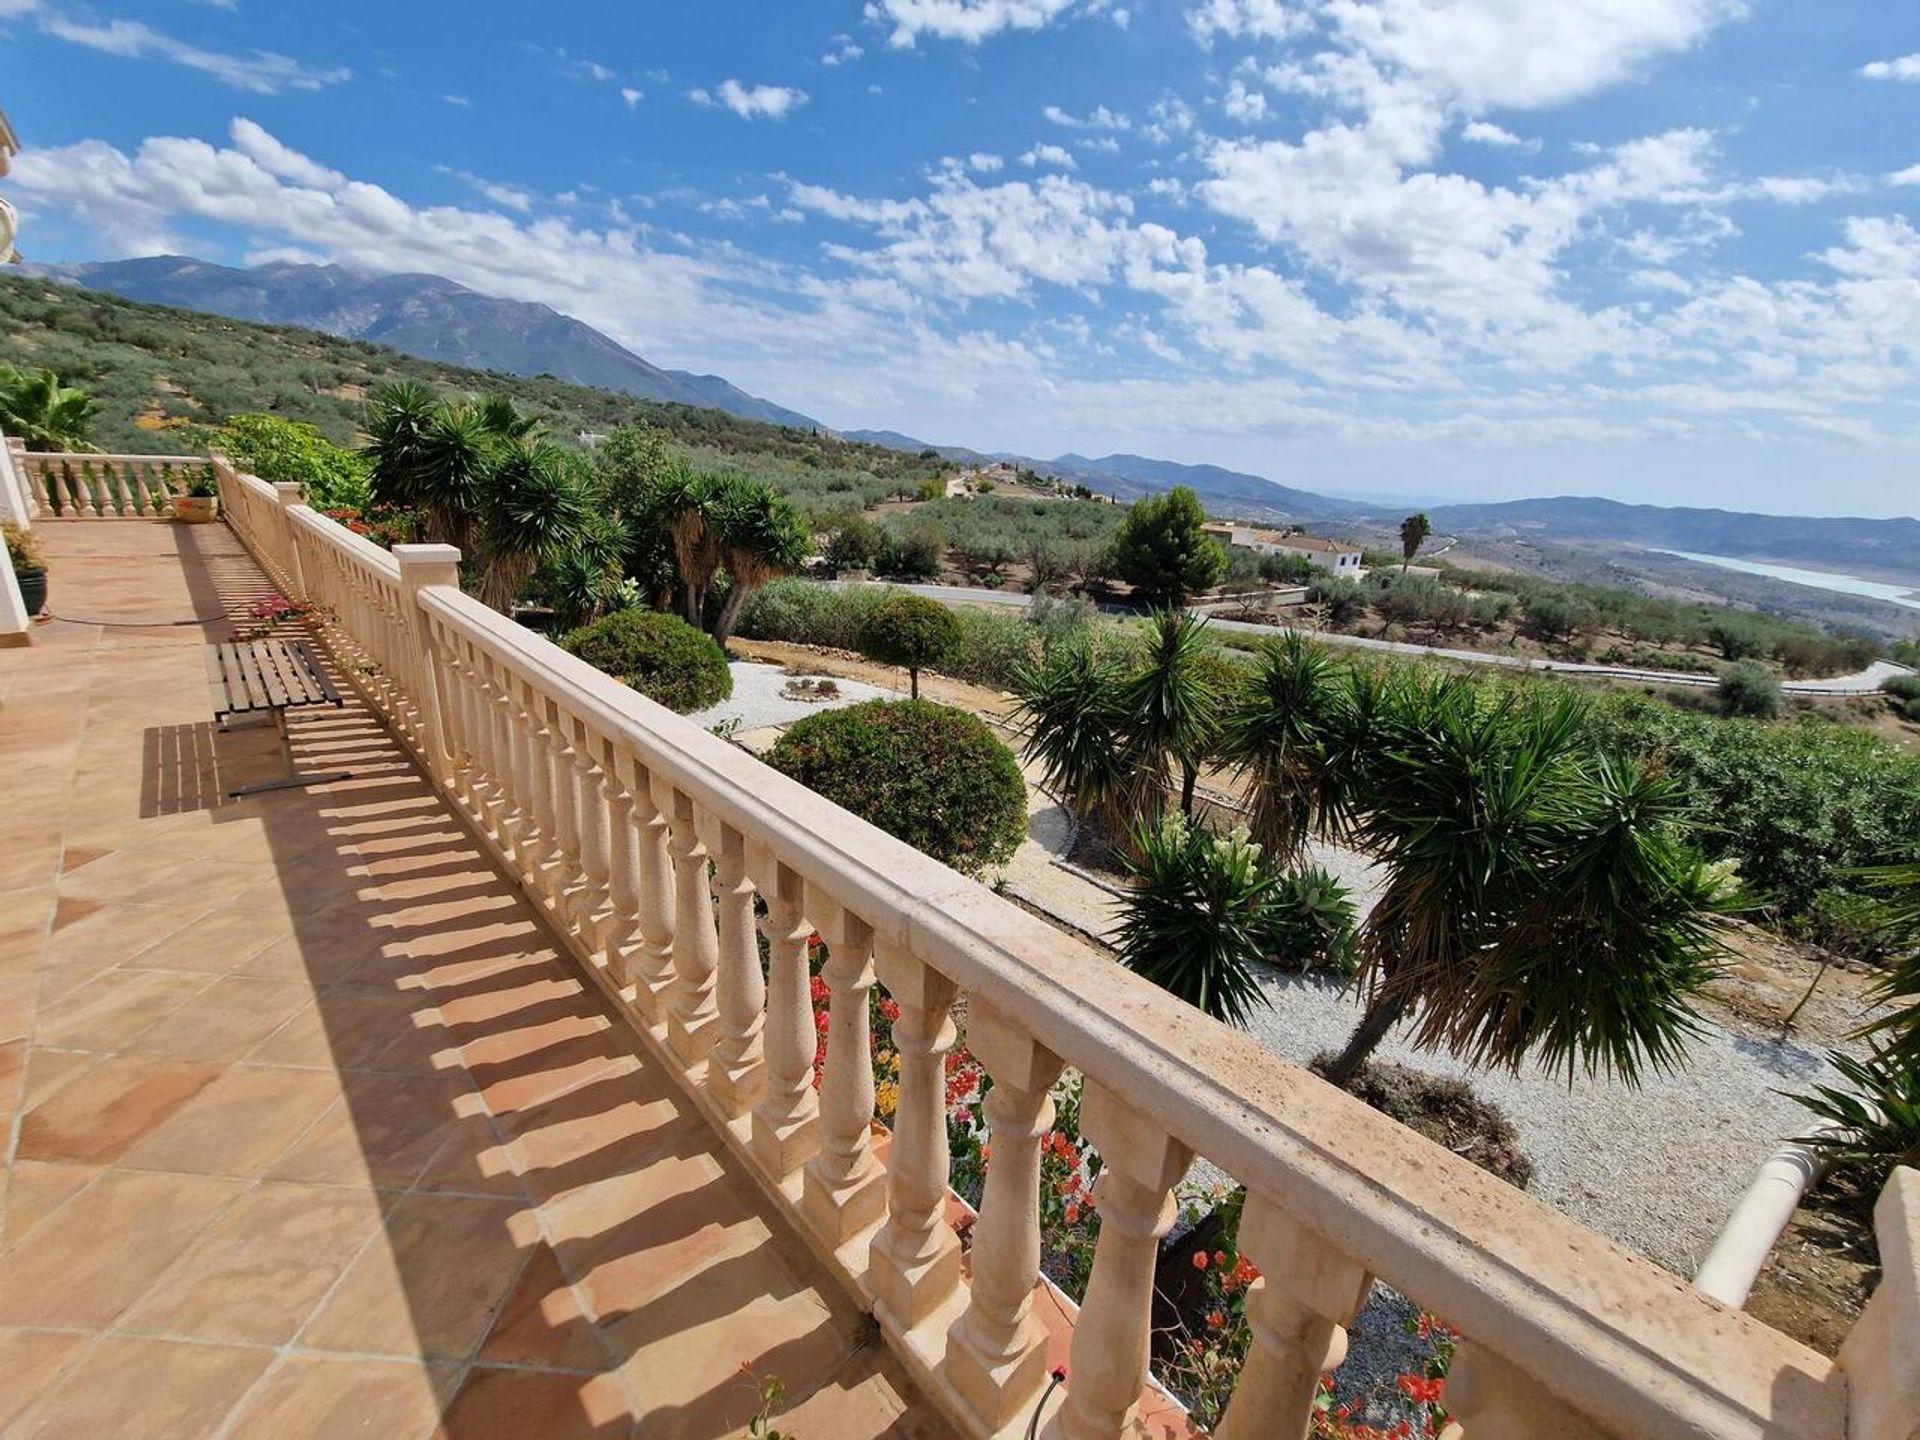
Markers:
<point>927,774</point>
<point>912,632</point>
<point>661,656</point>
<point>1748,688</point>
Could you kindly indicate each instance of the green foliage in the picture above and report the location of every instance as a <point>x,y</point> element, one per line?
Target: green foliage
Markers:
<point>912,632</point>
<point>1198,917</point>
<point>932,776</point>
<point>661,656</point>
<point>1344,600</point>
<point>1163,552</point>
<point>852,544</point>
<point>1275,736</point>
<point>1875,1115</point>
<point>1414,531</point>
<point>1898,887</point>
<point>279,450</point>
<point>1799,805</point>
<point>803,613</point>
<point>23,549</point>
<point>1748,688</point>
<point>1310,922</point>
<point>911,551</point>
<point>36,409</point>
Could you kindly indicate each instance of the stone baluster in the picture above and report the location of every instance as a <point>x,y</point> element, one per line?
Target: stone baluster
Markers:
<point>473,778</point>
<point>591,904</point>
<point>1134,1194</point>
<point>123,493</point>
<point>915,1260</point>
<point>536,839</point>
<point>736,1070</point>
<point>691,1016</point>
<point>89,490</point>
<point>996,1354</point>
<point>1299,1308</point>
<point>516,826</point>
<point>496,708</point>
<point>651,962</point>
<point>1881,1354</point>
<point>786,1122</point>
<point>845,1189</point>
<point>1489,1399</point>
<point>497,764</point>
<point>621,938</point>
<point>563,872</point>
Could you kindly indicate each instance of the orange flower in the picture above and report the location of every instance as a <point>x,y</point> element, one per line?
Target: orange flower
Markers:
<point>1199,1259</point>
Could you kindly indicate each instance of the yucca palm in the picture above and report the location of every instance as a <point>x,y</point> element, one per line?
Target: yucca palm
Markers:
<point>1172,703</point>
<point>36,409</point>
<point>1070,706</point>
<point>688,503</point>
<point>400,413</point>
<point>762,537</point>
<point>1198,917</point>
<point>530,508</point>
<point>1899,984</point>
<point>1277,737</point>
<point>1540,901</point>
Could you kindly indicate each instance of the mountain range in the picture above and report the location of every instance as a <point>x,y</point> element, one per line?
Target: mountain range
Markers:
<point>423,315</point>
<point>436,319</point>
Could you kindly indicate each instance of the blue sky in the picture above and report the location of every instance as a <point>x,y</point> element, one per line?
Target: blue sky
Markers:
<point>1663,250</point>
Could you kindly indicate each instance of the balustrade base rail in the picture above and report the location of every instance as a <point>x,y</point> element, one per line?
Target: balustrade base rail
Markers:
<point>665,857</point>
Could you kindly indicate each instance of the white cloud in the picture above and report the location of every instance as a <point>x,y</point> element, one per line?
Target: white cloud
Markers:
<point>632,96</point>
<point>1243,104</point>
<point>263,72</point>
<point>982,163</point>
<point>751,102</point>
<point>1050,155</point>
<point>844,51</point>
<point>1484,132</point>
<point>1908,176</point>
<point>270,155</point>
<point>1252,19</point>
<point>1099,118</point>
<point>968,21</point>
<point>1906,68</point>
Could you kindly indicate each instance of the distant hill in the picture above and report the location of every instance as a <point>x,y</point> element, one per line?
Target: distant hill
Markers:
<point>422,315</point>
<point>1849,545</point>
<point>1224,492</point>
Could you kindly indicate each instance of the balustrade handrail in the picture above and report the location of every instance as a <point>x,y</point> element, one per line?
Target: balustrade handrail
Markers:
<point>1622,1344</point>
<point>107,457</point>
<point>1609,1331</point>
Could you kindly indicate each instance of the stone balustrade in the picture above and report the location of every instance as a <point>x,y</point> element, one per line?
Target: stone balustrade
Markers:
<point>122,487</point>
<point>657,849</point>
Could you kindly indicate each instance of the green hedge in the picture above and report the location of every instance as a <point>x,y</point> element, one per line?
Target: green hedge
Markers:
<point>661,656</point>
<point>933,776</point>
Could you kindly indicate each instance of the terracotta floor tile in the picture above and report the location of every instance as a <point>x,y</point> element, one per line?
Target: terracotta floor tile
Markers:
<point>601,1129</point>
<point>473,1161</point>
<point>118,931</point>
<point>329,1397</point>
<point>35,1190</point>
<point>101,1252</point>
<point>30,856</point>
<point>13,1073</point>
<point>384,1131</point>
<point>113,1007</point>
<point>359,1028</point>
<point>17,1005</point>
<point>629,1239</point>
<point>431,1282</point>
<point>870,1396</point>
<point>542,1323</point>
<point>516,1404</point>
<point>240,1124</point>
<point>217,943</point>
<point>145,1390</point>
<point>521,1068</point>
<point>258,1271</point>
<point>32,1361</point>
<point>97,1118</point>
<point>685,1353</point>
<point>226,1020</point>
<point>50,1070</point>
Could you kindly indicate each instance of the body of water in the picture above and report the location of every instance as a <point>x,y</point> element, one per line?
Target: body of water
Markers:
<point>1816,579</point>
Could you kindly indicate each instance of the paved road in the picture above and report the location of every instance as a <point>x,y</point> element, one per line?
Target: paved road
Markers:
<point>1864,683</point>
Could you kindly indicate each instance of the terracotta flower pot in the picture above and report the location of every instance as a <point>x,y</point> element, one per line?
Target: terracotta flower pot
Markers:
<point>196,509</point>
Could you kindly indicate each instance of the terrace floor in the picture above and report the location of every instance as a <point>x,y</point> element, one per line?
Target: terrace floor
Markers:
<point>310,1128</point>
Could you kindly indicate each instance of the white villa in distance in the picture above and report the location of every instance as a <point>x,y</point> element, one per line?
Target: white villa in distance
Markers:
<point>1336,557</point>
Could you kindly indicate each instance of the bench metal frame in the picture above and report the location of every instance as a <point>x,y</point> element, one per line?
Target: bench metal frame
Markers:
<point>270,677</point>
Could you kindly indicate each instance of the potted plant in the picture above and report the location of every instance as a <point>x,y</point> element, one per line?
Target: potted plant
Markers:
<point>29,566</point>
<point>201,503</point>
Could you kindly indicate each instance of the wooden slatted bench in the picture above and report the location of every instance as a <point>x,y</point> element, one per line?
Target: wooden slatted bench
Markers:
<point>270,677</point>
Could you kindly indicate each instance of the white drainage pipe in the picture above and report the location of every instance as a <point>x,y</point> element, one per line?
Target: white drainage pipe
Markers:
<point>1757,1222</point>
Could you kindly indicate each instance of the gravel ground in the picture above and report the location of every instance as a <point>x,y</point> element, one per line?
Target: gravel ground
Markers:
<point>757,701</point>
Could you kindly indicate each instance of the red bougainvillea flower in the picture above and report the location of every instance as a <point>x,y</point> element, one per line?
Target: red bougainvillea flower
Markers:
<point>1421,1390</point>
<point>1199,1259</point>
<point>1216,1319</point>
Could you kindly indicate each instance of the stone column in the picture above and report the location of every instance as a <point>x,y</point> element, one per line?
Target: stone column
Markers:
<point>422,566</point>
<point>786,1122</point>
<point>845,1189</point>
<point>736,1070</point>
<point>691,1014</point>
